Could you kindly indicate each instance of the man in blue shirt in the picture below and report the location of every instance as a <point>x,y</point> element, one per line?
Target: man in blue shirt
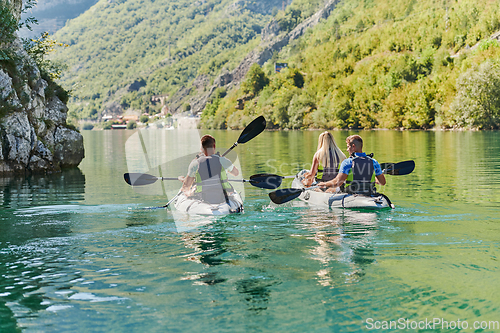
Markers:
<point>359,172</point>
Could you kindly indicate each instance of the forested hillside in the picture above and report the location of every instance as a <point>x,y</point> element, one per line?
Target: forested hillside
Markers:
<point>121,53</point>
<point>368,64</point>
<point>380,64</point>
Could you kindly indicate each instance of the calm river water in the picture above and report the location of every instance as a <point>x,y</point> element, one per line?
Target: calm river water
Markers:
<point>80,254</point>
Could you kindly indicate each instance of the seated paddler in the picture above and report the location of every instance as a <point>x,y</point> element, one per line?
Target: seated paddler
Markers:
<point>207,174</point>
<point>359,173</point>
<point>326,160</point>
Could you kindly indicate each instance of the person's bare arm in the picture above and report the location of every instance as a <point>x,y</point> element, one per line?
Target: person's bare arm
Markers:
<point>309,176</point>
<point>335,182</point>
<point>187,186</point>
<point>380,179</point>
<point>234,171</point>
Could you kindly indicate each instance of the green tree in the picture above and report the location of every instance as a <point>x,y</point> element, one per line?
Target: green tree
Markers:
<point>255,80</point>
<point>477,103</point>
<point>39,49</point>
<point>8,27</point>
<point>131,124</point>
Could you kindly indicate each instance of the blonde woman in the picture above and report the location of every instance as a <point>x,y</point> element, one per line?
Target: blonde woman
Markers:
<point>326,160</point>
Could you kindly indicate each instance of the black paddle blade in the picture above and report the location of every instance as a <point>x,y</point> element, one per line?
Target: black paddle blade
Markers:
<point>252,130</point>
<point>281,196</point>
<point>266,180</point>
<point>384,166</point>
<point>398,169</point>
<point>138,179</point>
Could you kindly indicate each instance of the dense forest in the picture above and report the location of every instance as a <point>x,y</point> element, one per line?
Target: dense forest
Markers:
<point>380,64</point>
<point>371,64</point>
<point>121,53</point>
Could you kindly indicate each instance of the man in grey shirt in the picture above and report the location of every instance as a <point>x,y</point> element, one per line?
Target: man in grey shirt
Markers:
<point>209,172</point>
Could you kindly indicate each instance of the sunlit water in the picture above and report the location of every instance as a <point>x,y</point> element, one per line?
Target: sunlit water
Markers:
<point>79,254</point>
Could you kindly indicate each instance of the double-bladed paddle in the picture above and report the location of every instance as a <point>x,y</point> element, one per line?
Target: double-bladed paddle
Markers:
<point>257,126</point>
<point>251,131</point>
<point>288,194</point>
<point>266,181</point>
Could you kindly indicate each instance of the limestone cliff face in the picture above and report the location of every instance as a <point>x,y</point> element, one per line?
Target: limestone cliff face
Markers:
<point>34,135</point>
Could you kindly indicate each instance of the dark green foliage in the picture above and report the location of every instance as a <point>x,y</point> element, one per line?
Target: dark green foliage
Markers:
<point>219,92</point>
<point>54,89</point>
<point>8,27</point>
<point>389,64</point>
<point>290,19</point>
<point>131,124</point>
<point>87,126</point>
<point>255,80</point>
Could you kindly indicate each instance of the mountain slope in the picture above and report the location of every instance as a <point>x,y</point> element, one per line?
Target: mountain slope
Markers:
<point>121,53</point>
<point>381,63</point>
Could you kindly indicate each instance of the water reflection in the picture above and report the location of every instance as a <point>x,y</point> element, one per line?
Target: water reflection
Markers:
<point>343,246</point>
<point>207,246</point>
<point>26,272</point>
<point>256,292</point>
<point>33,207</point>
<point>254,264</point>
<point>29,203</point>
<point>35,190</point>
<point>64,259</point>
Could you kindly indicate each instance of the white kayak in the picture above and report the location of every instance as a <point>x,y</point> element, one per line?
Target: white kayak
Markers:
<point>194,206</point>
<point>340,199</point>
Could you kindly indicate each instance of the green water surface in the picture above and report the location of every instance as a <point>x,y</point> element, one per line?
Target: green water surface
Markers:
<point>79,254</point>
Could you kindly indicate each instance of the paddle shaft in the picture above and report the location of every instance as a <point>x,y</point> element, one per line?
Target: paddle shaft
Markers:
<point>171,200</point>
<point>232,147</point>
<point>150,179</point>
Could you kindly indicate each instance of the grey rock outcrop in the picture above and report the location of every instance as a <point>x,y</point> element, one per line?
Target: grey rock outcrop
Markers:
<point>34,135</point>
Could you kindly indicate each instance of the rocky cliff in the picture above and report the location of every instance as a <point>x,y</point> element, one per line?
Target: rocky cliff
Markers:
<point>273,40</point>
<point>34,135</point>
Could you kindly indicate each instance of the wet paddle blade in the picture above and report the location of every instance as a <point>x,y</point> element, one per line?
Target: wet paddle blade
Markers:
<point>281,196</point>
<point>139,179</point>
<point>398,169</point>
<point>265,180</point>
<point>252,130</point>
